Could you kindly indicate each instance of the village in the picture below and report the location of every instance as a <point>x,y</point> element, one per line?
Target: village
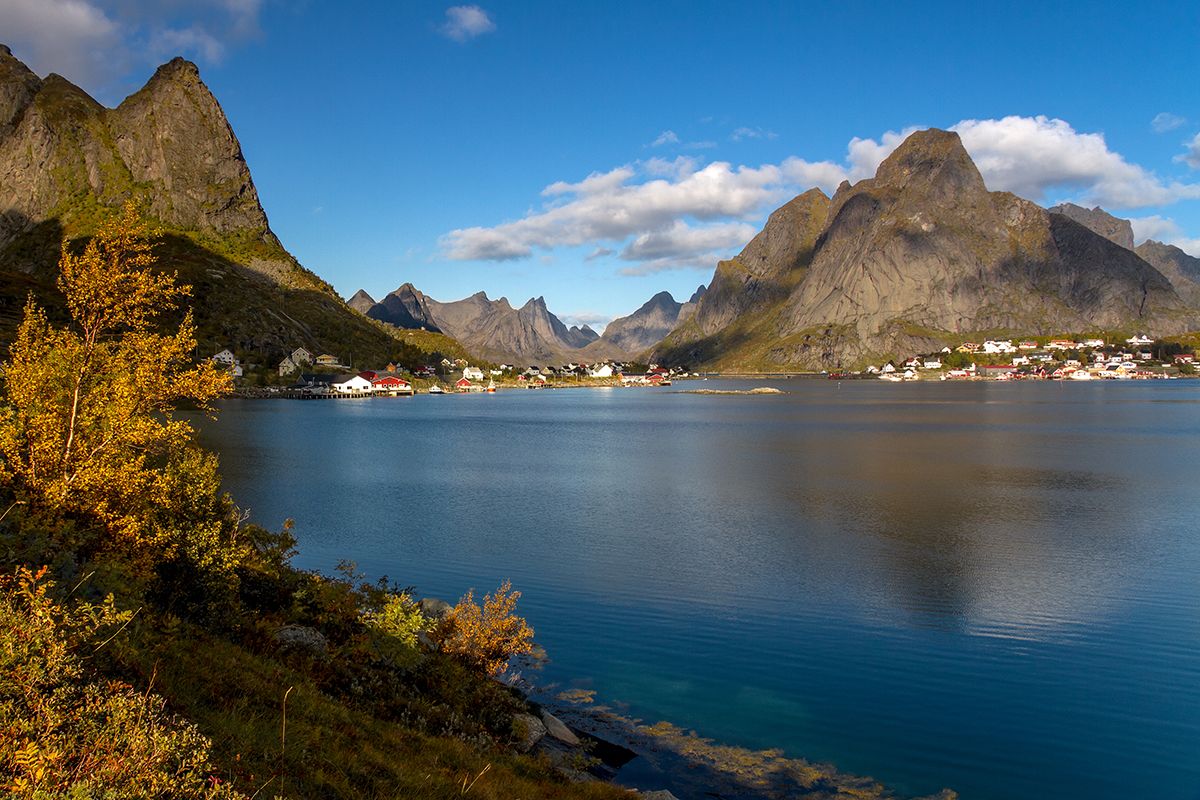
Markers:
<point>1139,357</point>
<point>325,376</point>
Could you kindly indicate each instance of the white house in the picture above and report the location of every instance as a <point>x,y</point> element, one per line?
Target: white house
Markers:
<point>1093,343</point>
<point>225,357</point>
<point>1140,340</point>
<point>301,356</point>
<point>473,373</point>
<point>888,368</point>
<point>931,363</point>
<point>287,366</point>
<point>236,371</point>
<point>350,384</point>
<point>602,371</point>
<point>998,346</point>
<point>1020,361</point>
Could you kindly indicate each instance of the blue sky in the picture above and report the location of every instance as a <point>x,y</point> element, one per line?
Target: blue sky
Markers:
<point>596,153</point>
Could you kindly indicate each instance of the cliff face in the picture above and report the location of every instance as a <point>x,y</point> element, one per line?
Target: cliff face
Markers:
<point>66,162</point>
<point>917,256</point>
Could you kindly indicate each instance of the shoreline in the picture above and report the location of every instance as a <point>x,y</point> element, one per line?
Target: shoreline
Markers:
<point>649,758</point>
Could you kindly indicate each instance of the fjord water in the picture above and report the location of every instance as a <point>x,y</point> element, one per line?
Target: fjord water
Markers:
<point>984,586</point>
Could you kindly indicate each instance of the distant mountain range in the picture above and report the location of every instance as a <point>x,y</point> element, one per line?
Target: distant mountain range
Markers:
<point>1182,270</point>
<point>66,161</point>
<point>920,256</point>
<point>494,330</point>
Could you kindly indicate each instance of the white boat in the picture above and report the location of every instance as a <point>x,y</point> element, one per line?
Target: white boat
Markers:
<point>1082,375</point>
<point>435,389</point>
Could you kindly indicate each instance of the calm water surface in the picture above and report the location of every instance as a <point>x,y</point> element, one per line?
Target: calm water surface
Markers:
<point>990,587</point>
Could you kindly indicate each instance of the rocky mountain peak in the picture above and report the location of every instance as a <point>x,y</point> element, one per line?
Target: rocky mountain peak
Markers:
<point>931,161</point>
<point>696,295</point>
<point>361,301</point>
<point>788,237</point>
<point>1099,221</point>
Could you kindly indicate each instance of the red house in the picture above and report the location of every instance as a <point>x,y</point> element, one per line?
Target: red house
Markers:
<point>390,384</point>
<point>463,385</point>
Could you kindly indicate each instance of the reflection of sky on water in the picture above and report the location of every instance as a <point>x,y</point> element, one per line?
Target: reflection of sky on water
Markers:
<point>906,579</point>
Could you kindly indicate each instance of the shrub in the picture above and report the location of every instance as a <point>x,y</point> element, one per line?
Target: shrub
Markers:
<point>400,619</point>
<point>65,736</point>
<point>485,637</point>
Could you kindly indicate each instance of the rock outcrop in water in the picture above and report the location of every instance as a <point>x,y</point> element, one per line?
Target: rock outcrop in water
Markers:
<point>919,256</point>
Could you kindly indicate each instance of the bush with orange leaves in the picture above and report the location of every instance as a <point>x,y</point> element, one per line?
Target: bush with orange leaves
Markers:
<point>485,637</point>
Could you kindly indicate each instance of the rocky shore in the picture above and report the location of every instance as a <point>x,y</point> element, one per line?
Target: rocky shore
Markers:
<point>587,741</point>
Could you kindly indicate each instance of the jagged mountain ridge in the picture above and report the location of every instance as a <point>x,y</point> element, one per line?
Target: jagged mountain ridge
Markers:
<point>531,333</point>
<point>918,256</point>
<point>66,161</point>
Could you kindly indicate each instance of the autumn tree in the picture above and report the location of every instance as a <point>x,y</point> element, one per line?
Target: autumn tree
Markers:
<point>485,637</point>
<point>88,427</point>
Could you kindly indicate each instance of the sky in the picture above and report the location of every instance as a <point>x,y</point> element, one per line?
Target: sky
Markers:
<point>596,153</point>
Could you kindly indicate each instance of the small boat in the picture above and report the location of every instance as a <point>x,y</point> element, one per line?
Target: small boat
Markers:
<point>435,389</point>
<point>491,387</point>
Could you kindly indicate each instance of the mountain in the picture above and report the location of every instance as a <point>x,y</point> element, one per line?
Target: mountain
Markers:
<point>919,256</point>
<point>1182,270</point>
<point>646,327</point>
<point>1115,229</point>
<point>495,330</point>
<point>361,302</point>
<point>67,162</point>
<point>404,308</point>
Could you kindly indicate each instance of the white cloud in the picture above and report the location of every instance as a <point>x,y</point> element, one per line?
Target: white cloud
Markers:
<point>1153,227</point>
<point>599,252</point>
<point>683,240</point>
<point>1191,156</point>
<point>194,39</point>
<point>666,137</point>
<point>71,37</point>
<point>1166,121</point>
<point>97,43</point>
<point>610,207</point>
<point>1037,156</point>
<point>593,319</point>
<point>664,214</point>
<point>1166,230</point>
<point>751,133</point>
<point>464,23</point>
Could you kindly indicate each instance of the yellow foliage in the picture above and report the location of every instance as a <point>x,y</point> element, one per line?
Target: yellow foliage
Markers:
<point>486,637</point>
<point>89,420</point>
